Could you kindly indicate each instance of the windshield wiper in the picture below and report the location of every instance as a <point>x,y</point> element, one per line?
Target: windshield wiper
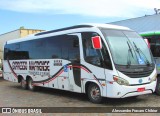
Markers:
<point>128,56</point>
<point>139,51</point>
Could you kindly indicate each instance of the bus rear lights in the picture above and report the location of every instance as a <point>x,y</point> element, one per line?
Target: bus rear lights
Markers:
<point>141,89</point>
<point>120,81</point>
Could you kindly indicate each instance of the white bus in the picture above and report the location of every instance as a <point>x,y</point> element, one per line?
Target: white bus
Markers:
<point>100,60</point>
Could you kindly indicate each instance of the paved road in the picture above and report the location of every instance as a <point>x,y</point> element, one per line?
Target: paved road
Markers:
<point>11,95</point>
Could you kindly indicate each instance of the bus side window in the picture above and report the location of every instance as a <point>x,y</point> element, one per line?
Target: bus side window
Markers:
<point>53,47</point>
<point>74,53</point>
<point>91,55</point>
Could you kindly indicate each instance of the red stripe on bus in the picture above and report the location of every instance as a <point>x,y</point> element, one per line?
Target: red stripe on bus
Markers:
<point>54,77</point>
<point>80,67</point>
<point>61,73</point>
<point>50,79</point>
<point>36,84</point>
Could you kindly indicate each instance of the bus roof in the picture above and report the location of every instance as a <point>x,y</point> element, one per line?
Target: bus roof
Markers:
<point>150,33</point>
<point>89,25</point>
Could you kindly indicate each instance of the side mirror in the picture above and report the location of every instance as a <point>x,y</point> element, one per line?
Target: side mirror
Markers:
<point>96,42</point>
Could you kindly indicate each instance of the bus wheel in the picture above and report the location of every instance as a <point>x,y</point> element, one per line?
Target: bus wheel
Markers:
<point>30,85</point>
<point>158,86</point>
<point>23,83</point>
<point>94,93</point>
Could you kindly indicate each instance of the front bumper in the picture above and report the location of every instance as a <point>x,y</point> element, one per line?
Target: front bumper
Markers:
<point>120,91</point>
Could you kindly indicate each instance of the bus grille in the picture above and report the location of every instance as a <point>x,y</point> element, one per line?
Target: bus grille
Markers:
<point>138,74</point>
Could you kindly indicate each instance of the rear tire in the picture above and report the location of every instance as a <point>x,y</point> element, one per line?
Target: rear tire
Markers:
<point>158,86</point>
<point>23,84</point>
<point>94,93</point>
<point>30,85</point>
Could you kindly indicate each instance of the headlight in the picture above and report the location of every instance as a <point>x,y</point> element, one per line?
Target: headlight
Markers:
<point>120,81</point>
<point>154,78</point>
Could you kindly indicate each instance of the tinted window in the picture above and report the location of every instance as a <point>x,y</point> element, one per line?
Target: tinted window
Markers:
<point>64,47</point>
<point>74,53</point>
<point>14,52</point>
<point>53,47</point>
<point>57,47</point>
<point>35,48</point>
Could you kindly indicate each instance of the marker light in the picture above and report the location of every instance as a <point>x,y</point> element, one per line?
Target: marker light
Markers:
<point>120,81</point>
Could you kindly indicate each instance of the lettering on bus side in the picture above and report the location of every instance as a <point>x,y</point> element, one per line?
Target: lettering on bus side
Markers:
<point>39,68</point>
<point>39,65</point>
<point>19,65</point>
<point>57,63</point>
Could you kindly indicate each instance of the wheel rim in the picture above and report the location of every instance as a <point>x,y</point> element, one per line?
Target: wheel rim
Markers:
<point>30,84</point>
<point>95,93</point>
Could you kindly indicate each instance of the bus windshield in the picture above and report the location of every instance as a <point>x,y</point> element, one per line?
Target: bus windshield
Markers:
<point>127,47</point>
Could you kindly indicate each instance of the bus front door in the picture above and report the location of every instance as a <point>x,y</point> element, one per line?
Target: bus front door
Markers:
<point>74,67</point>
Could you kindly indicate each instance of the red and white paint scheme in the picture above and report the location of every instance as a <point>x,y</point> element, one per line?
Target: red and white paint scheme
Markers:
<point>100,60</point>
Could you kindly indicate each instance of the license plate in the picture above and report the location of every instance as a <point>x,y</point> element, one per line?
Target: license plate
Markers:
<point>141,89</point>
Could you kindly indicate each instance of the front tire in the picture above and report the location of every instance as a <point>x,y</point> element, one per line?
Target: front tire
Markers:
<point>30,85</point>
<point>158,86</point>
<point>94,93</point>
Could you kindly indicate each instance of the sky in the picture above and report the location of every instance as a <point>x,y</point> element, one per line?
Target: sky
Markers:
<point>54,14</point>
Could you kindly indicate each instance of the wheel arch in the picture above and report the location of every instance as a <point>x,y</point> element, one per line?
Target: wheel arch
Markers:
<point>28,77</point>
<point>20,78</point>
<point>87,83</point>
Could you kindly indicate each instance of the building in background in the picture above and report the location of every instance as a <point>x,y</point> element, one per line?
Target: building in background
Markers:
<point>19,33</point>
<point>146,23</point>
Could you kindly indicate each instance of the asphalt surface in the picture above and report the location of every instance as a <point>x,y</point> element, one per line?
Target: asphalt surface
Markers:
<point>12,95</point>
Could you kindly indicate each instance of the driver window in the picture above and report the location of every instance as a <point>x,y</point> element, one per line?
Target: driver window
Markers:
<point>91,55</point>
